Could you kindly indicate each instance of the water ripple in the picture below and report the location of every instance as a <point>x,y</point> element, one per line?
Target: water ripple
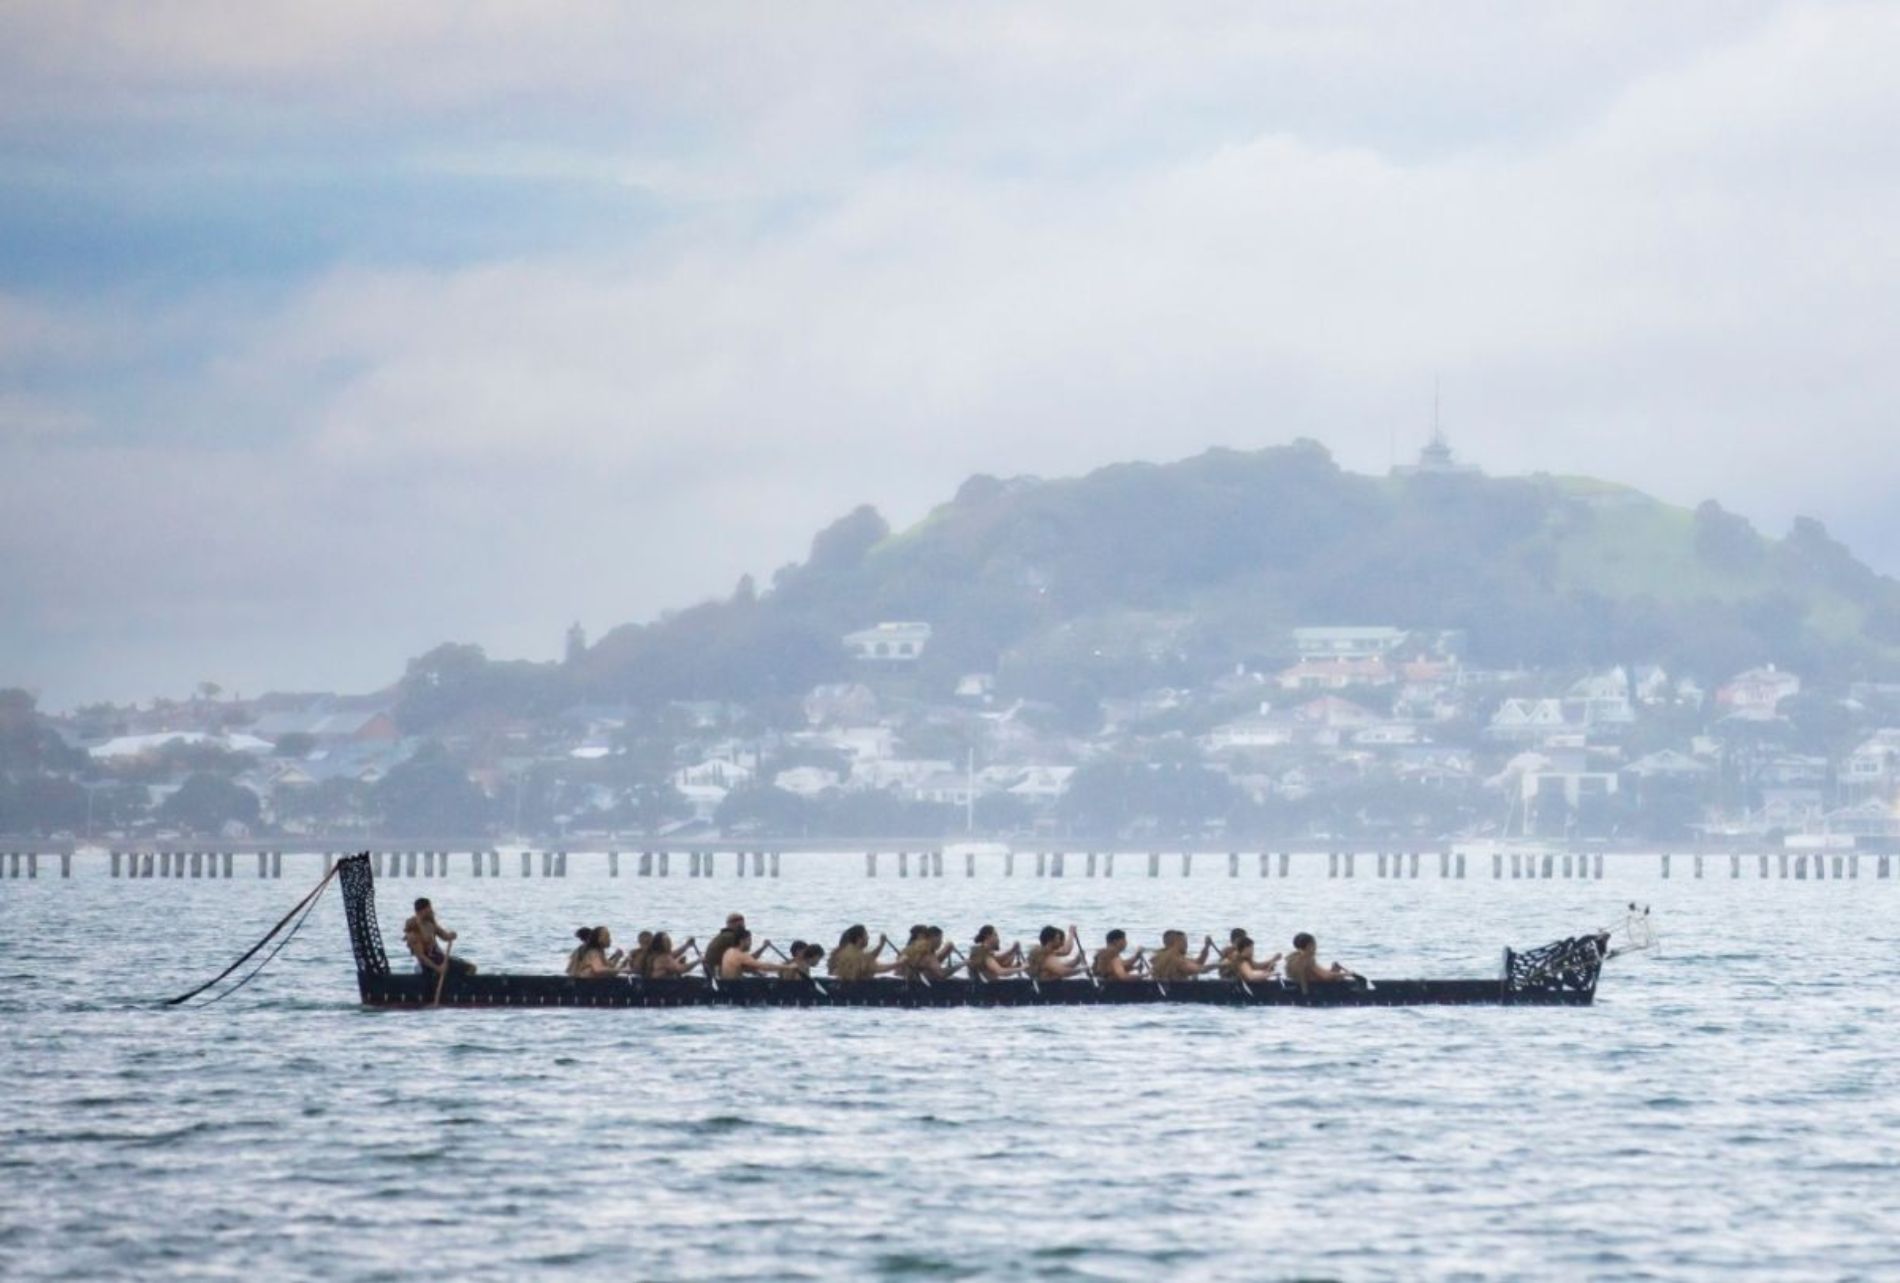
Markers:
<point>1718,1114</point>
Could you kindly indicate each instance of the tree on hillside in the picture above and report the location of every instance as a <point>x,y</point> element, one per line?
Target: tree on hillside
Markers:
<point>334,804</point>
<point>844,542</point>
<point>41,804</point>
<point>1726,541</point>
<point>455,680</point>
<point>761,808</point>
<point>1819,724</point>
<point>1169,798</point>
<point>431,795</point>
<point>206,803</point>
<point>28,745</point>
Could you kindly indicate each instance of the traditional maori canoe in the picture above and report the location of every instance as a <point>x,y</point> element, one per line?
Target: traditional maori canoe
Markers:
<point>1560,974</point>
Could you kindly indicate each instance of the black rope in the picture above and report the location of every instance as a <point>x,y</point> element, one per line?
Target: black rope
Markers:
<point>258,970</point>
<point>252,951</point>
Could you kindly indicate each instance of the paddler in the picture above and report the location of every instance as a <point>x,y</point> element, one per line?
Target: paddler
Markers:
<point>1237,962</point>
<point>988,960</point>
<point>737,959</point>
<point>663,961</point>
<point>1171,962</point>
<point>721,941</point>
<point>591,961</point>
<point>634,964</point>
<point>424,936</point>
<point>1109,965</point>
<point>855,959</point>
<point>1057,955</point>
<point>924,956</point>
<point>800,959</point>
<point>1303,969</point>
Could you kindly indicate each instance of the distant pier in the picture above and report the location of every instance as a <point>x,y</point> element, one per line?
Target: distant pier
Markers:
<point>1452,862</point>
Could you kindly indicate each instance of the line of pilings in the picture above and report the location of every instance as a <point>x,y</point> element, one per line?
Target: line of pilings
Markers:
<point>1448,864</point>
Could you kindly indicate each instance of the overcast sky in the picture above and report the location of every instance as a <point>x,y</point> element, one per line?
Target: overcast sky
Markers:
<point>331,331</point>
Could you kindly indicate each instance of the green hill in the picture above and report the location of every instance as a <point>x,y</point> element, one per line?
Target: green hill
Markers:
<point>1140,573</point>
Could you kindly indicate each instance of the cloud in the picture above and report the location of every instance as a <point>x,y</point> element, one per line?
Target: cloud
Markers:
<point>885,255</point>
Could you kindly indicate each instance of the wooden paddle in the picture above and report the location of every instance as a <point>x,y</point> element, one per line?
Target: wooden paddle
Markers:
<point>442,978</point>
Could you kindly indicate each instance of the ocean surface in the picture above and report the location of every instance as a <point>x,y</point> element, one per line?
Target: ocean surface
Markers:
<point>1730,1108</point>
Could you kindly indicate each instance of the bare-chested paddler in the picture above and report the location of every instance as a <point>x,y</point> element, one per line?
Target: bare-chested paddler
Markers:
<point>855,959</point>
<point>1057,955</point>
<point>1109,964</point>
<point>988,960</point>
<point>1303,969</point>
<point>1237,962</point>
<point>425,938</point>
<point>1171,961</point>
<point>925,956</point>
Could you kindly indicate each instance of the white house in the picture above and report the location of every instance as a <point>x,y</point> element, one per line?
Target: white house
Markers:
<point>1756,694</point>
<point>127,746</point>
<point>1873,768</point>
<point>1525,720</point>
<point>1569,775</point>
<point>897,772</point>
<point>976,686</point>
<point>1261,730</point>
<point>715,772</point>
<point>1335,674</point>
<point>889,642</point>
<point>1667,764</point>
<point>806,781</point>
<point>1602,699</point>
<point>1042,783</point>
<point>1347,642</point>
<point>1871,819</point>
<point>861,743</point>
<point>950,788</point>
<point>1335,713</point>
<point>841,704</point>
<point>1388,734</point>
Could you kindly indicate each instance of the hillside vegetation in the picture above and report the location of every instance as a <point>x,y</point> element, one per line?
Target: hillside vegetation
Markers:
<point>1140,574</point>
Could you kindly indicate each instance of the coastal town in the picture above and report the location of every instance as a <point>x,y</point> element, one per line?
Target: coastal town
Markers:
<point>1360,732</point>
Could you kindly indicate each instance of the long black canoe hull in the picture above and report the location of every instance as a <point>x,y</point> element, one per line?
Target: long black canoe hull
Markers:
<point>500,990</point>
<point>1562,974</point>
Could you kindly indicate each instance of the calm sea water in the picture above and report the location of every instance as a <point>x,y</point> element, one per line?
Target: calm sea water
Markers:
<point>1729,1109</point>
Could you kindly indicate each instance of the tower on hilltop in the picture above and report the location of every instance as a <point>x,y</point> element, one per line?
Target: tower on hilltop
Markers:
<point>1436,458</point>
